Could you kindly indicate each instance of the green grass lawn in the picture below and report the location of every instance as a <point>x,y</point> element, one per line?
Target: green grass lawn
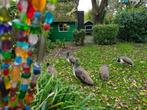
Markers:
<point>127,86</point>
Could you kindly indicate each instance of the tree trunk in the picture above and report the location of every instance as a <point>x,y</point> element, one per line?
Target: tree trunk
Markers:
<point>41,49</point>
<point>99,11</point>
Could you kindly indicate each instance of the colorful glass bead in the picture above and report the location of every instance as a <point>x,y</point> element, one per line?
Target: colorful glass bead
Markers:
<point>4,15</point>
<point>28,98</point>
<point>39,5</point>
<point>33,39</point>
<point>37,14</point>
<point>24,87</point>
<point>26,69</point>
<point>29,61</point>
<point>48,18</point>
<point>5,66</point>
<point>27,108</point>
<point>22,95</point>
<point>35,29</point>
<point>28,75</point>
<point>6,55</point>
<point>36,69</point>
<point>24,45</point>
<point>46,27</point>
<point>31,10</point>
<point>15,73</point>
<point>18,60</point>
<point>7,82</point>
<point>18,25</point>
<point>5,72</point>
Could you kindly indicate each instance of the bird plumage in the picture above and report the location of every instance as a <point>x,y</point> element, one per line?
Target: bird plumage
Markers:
<point>70,58</point>
<point>125,60</point>
<point>82,75</point>
<point>104,72</point>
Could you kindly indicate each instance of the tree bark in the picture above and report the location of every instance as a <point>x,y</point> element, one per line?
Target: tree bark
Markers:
<point>99,11</point>
<point>41,49</point>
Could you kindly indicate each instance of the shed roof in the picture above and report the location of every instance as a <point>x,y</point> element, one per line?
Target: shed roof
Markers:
<point>88,22</point>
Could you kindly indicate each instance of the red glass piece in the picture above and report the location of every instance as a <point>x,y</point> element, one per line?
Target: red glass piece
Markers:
<point>26,69</point>
<point>30,54</point>
<point>6,72</point>
<point>46,27</point>
<point>31,10</point>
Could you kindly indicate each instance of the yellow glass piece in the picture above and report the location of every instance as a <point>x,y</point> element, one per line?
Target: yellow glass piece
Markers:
<point>15,72</point>
<point>1,18</point>
<point>5,38</point>
<point>18,51</point>
<point>39,5</point>
<point>24,54</point>
<point>4,15</point>
<point>7,82</point>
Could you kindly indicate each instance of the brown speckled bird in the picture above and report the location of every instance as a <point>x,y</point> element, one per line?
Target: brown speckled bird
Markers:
<point>70,58</point>
<point>104,72</point>
<point>82,74</point>
<point>125,60</point>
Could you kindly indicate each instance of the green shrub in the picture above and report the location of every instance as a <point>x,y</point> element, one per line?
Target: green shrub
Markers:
<point>79,37</point>
<point>52,94</point>
<point>105,34</point>
<point>50,45</point>
<point>132,25</point>
<point>60,43</point>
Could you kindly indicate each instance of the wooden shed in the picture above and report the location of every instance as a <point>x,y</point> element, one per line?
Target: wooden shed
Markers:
<point>62,30</point>
<point>88,27</point>
<point>64,25</point>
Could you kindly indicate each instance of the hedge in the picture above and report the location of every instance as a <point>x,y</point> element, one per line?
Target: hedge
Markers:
<point>79,37</point>
<point>105,34</point>
<point>132,25</point>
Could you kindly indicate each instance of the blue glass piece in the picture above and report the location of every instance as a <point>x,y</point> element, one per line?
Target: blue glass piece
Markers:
<point>24,87</point>
<point>18,60</point>
<point>5,66</point>
<point>27,108</point>
<point>29,61</point>
<point>24,45</point>
<point>48,18</point>
<point>36,69</point>
<point>37,14</point>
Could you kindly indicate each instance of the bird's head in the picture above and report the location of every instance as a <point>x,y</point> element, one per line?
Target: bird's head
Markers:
<point>48,64</point>
<point>67,54</point>
<point>76,64</point>
<point>118,60</point>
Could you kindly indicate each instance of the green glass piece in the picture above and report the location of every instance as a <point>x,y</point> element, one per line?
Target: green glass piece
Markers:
<point>22,95</point>
<point>21,26</point>
<point>23,17</point>
<point>6,55</point>
<point>26,76</point>
<point>35,29</point>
